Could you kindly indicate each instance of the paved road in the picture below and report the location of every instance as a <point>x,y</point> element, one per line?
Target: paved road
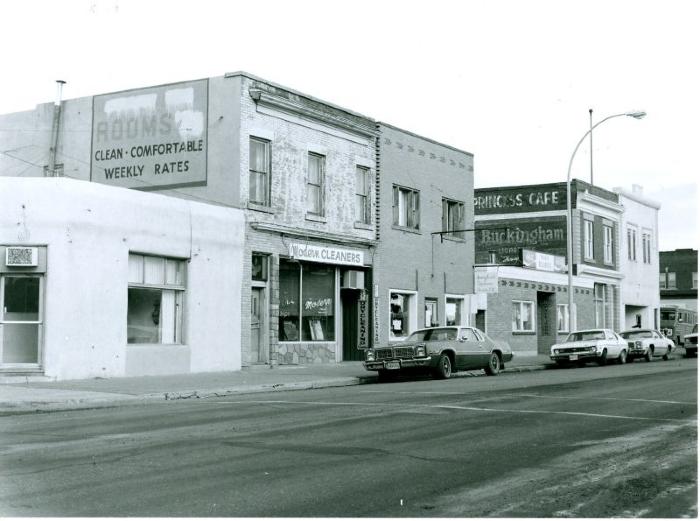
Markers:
<point>592,442</point>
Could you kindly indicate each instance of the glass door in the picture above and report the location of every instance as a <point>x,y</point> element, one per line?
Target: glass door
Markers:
<point>20,320</point>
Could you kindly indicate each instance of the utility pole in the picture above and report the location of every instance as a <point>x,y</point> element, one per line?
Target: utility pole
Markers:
<point>51,172</point>
<point>590,116</point>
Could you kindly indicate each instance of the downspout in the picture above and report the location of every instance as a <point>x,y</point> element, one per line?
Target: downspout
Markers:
<point>51,171</point>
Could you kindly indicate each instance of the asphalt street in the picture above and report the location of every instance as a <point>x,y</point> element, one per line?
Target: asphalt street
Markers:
<point>579,442</point>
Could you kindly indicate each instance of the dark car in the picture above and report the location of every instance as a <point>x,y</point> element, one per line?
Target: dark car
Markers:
<point>691,342</point>
<point>440,350</point>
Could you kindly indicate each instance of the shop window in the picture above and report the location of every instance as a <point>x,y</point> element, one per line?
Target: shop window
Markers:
<point>315,184</point>
<point>307,302</point>
<point>401,314</point>
<point>406,207</point>
<point>431,313</point>
<point>362,194</point>
<point>259,267</point>
<point>523,312</point>
<point>608,244</point>
<point>563,318</point>
<point>259,168</point>
<point>602,304</point>
<point>453,311</point>
<point>453,218</point>
<point>155,299</point>
<point>588,239</point>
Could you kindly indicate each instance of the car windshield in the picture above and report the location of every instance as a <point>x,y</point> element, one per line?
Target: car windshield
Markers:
<point>586,335</point>
<point>426,335</point>
<point>633,335</point>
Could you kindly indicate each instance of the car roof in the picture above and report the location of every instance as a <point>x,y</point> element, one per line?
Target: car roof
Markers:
<point>636,330</point>
<point>590,331</point>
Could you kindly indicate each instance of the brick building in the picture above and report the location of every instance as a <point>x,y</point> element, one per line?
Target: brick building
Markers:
<point>678,278</point>
<point>423,277</point>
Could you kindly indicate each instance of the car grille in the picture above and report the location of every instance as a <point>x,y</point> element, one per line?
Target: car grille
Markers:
<point>567,350</point>
<point>630,344</point>
<point>394,352</point>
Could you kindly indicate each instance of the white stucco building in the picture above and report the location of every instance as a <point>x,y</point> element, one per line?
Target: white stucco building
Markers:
<point>105,281</point>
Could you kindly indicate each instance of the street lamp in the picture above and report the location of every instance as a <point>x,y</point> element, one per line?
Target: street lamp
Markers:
<point>569,237</point>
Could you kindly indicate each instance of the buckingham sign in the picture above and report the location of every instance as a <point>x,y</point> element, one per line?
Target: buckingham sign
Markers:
<point>505,238</point>
<point>305,252</point>
<point>151,138</point>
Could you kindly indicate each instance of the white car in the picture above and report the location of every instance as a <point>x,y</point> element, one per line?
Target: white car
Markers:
<point>599,345</point>
<point>647,343</point>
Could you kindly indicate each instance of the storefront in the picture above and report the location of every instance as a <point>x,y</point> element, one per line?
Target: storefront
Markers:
<point>99,281</point>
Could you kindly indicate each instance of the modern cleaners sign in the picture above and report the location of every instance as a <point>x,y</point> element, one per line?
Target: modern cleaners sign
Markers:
<point>151,138</point>
<point>305,252</point>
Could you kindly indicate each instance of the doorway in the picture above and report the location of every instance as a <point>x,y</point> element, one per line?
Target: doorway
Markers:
<point>546,322</point>
<point>20,321</point>
<point>353,321</point>
<point>258,331</point>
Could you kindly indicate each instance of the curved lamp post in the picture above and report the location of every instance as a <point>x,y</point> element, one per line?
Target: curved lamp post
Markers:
<point>569,235</point>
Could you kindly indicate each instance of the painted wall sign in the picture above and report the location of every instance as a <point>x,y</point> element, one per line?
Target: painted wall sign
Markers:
<point>326,255</point>
<point>362,337</point>
<point>486,279</point>
<point>536,198</point>
<point>151,138</point>
<point>505,238</point>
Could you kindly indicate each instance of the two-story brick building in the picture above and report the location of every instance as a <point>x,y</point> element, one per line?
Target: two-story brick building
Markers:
<point>678,278</point>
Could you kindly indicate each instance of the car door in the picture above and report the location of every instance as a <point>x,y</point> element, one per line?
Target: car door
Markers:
<point>661,343</point>
<point>467,349</point>
<point>614,343</point>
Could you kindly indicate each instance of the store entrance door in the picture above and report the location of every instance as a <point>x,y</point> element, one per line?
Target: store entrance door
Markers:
<point>350,299</point>
<point>20,321</point>
<point>546,322</point>
<point>258,337</point>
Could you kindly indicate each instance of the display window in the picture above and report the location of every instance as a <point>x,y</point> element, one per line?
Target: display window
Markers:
<point>307,302</point>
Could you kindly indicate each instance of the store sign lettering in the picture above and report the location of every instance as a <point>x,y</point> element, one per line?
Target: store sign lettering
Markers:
<point>519,200</point>
<point>362,324</point>
<point>151,138</point>
<point>326,255</point>
<point>521,236</point>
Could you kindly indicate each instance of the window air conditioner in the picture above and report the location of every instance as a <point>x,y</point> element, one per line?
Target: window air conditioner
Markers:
<point>21,256</point>
<point>353,279</point>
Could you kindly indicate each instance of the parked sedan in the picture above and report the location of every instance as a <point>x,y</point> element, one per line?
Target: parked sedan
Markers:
<point>691,342</point>
<point>647,343</point>
<point>598,345</point>
<point>440,350</point>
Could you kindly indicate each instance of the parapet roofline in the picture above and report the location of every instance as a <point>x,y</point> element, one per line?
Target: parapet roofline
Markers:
<point>296,92</point>
<point>394,127</point>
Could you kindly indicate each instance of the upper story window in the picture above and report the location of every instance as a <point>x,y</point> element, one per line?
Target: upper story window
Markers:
<point>588,239</point>
<point>695,280</point>
<point>406,207</point>
<point>646,248</point>
<point>315,184</point>
<point>667,280</point>
<point>662,281</point>
<point>453,217</point>
<point>259,168</point>
<point>363,186</point>
<point>608,244</point>
<point>631,244</point>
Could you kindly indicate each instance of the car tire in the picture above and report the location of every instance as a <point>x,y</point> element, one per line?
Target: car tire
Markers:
<point>561,363</point>
<point>444,367</point>
<point>494,366</point>
<point>622,357</point>
<point>385,375</point>
<point>649,356</point>
<point>603,358</point>
<point>667,355</point>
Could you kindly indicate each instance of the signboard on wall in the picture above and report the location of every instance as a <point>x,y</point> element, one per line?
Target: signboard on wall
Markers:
<point>518,199</point>
<point>151,138</point>
<point>362,337</point>
<point>326,255</point>
<point>543,261</point>
<point>505,238</point>
<point>486,279</point>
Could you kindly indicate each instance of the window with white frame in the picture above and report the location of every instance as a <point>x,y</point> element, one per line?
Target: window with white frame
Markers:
<point>401,314</point>
<point>588,239</point>
<point>454,311</point>
<point>646,248</point>
<point>155,299</point>
<point>671,280</point>
<point>315,184</point>
<point>363,186</point>
<point>608,244</point>
<point>431,313</point>
<point>453,217</point>
<point>523,313</point>
<point>406,207</point>
<point>259,171</point>
<point>601,304</point>
<point>662,281</point>
<point>563,318</point>
<point>631,244</point>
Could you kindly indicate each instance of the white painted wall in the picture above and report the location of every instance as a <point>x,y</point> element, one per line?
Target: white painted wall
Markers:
<point>89,230</point>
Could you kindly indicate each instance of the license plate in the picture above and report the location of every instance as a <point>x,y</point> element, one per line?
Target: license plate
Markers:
<point>392,365</point>
<point>573,357</point>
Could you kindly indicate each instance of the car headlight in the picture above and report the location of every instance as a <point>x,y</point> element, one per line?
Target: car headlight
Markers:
<point>369,356</point>
<point>420,350</point>
<point>555,351</point>
<point>638,344</point>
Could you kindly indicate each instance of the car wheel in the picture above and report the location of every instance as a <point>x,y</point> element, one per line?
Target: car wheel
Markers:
<point>603,358</point>
<point>444,367</point>
<point>668,353</point>
<point>622,359</point>
<point>561,363</point>
<point>650,354</point>
<point>494,365</point>
<point>385,376</point>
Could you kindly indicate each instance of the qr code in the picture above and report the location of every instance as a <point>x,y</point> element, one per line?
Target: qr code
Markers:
<point>20,257</point>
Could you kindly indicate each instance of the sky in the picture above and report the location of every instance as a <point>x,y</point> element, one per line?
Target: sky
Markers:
<point>510,81</point>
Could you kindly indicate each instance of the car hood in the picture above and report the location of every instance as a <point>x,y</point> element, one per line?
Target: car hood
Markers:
<point>581,343</point>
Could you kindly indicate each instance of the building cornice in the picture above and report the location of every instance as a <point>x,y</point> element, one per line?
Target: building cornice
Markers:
<point>261,97</point>
<point>301,233</point>
<point>585,197</point>
<point>584,269</point>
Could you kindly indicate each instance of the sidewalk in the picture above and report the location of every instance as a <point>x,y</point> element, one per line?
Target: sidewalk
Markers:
<point>21,394</point>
